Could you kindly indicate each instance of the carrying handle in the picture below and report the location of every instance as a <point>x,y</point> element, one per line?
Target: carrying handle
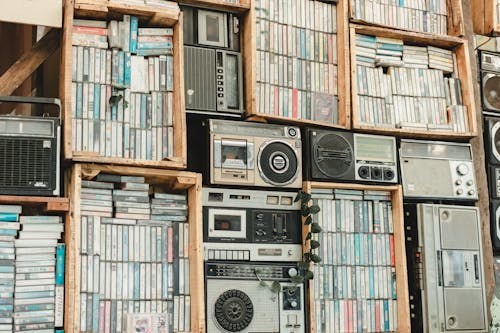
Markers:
<point>33,100</point>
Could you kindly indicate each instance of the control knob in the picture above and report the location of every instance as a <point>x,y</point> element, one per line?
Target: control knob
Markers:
<point>462,169</point>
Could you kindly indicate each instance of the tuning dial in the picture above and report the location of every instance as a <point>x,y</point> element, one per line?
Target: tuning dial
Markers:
<point>458,182</point>
<point>460,191</point>
<point>462,169</point>
<point>292,272</point>
<point>470,182</point>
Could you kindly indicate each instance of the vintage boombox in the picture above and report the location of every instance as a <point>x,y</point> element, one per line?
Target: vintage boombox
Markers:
<point>255,154</point>
<point>213,77</point>
<point>30,154</point>
<point>447,280</point>
<point>490,81</point>
<point>338,155</point>
<point>237,302</point>
<point>438,170</point>
<point>251,225</point>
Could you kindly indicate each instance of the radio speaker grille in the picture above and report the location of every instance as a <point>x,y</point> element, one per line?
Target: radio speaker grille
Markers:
<point>199,76</point>
<point>333,155</point>
<point>24,162</point>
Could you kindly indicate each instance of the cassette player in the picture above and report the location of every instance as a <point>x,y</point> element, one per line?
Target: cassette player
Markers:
<point>236,302</point>
<point>251,225</point>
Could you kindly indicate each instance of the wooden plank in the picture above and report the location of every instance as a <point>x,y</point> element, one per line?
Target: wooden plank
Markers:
<point>29,62</point>
<point>460,47</point>
<point>478,16</point>
<point>343,67</point>
<point>490,17</point>
<point>479,164</point>
<point>403,302</point>
<point>50,204</point>
<point>455,18</point>
<point>249,55</point>
<point>241,7</point>
<point>179,115</point>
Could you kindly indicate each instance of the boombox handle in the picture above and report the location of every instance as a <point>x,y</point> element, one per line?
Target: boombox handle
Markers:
<point>33,100</point>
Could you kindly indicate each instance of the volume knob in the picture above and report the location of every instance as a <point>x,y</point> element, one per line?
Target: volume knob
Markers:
<point>462,169</point>
<point>292,272</point>
<point>294,304</point>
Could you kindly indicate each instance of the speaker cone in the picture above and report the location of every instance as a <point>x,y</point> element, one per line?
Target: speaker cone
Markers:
<point>333,155</point>
<point>233,310</point>
<point>278,163</point>
<point>491,91</point>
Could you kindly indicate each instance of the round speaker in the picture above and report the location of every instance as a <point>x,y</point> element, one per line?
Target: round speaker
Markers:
<point>333,155</point>
<point>491,90</point>
<point>495,140</point>
<point>278,163</point>
<point>233,310</point>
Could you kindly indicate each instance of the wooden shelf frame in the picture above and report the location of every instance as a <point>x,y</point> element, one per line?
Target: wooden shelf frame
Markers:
<point>239,8</point>
<point>168,179</point>
<point>485,19</point>
<point>399,249</point>
<point>249,55</point>
<point>49,204</point>
<point>149,16</point>
<point>455,21</point>
<point>461,49</point>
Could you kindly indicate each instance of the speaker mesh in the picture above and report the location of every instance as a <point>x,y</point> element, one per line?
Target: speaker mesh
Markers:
<point>333,155</point>
<point>491,91</point>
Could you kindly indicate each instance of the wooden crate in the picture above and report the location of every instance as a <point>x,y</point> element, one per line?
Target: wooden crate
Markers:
<point>167,179</point>
<point>484,17</point>
<point>241,7</point>
<point>48,204</point>
<point>461,49</point>
<point>249,53</point>
<point>150,17</point>
<point>399,249</point>
<point>455,22</point>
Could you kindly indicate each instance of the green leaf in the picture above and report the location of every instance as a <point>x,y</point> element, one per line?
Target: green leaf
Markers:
<point>276,287</point>
<point>314,244</point>
<point>309,235</point>
<point>304,210</point>
<point>314,209</point>
<point>315,258</point>
<point>315,228</point>
<point>306,197</point>
<point>308,220</point>
<point>309,275</point>
<point>298,196</point>
<point>297,279</point>
<point>303,265</point>
<point>307,257</point>
<point>125,104</point>
<point>263,283</point>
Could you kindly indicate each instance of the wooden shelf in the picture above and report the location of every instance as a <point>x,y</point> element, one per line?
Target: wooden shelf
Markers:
<point>461,49</point>
<point>226,6</point>
<point>249,53</point>
<point>171,180</point>
<point>49,204</point>
<point>148,16</point>
<point>484,18</point>
<point>403,304</point>
<point>105,10</point>
<point>455,24</point>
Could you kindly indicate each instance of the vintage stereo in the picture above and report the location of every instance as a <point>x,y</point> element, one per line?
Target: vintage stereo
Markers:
<point>237,302</point>
<point>345,156</point>
<point>213,77</point>
<point>492,139</point>
<point>490,81</point>
<point>30,152</point>
<point>255,154</point>
<point>437,170</point>
<point>251,225</point>
<point>448,264</point>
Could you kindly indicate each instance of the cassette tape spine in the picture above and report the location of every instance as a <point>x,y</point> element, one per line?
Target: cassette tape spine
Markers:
<point>129,253</point>
<point>353,286</point>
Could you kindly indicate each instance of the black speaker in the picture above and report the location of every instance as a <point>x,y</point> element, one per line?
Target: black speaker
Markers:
<point>329,155</point>
<point>490,81</point>
<point>495,224</point>
<point>494,181</point>
<point>492,139</point>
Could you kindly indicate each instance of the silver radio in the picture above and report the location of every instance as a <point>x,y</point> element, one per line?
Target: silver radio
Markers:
<point>237,302</point>
<point>255,154</point>
<point>453,295</point>
<point>251,225</point>
<point>440,170</point>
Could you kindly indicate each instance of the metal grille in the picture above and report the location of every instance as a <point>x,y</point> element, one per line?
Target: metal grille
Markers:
<point>25,163</point>
<point>199,77</point>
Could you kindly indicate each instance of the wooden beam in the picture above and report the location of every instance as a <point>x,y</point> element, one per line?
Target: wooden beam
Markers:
<point>29,62</point>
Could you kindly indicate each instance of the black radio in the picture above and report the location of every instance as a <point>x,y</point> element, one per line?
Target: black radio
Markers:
<point>212,62</point>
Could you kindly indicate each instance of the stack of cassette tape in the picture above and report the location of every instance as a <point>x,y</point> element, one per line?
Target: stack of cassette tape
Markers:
<point>134,256</point>
<point>31,271</point>
<point>354,285</point>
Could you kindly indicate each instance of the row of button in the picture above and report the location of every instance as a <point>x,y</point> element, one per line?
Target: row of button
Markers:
<point>228,255</point>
